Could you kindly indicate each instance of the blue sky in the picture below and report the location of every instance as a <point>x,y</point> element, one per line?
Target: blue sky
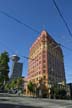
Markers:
<point>40,14</point>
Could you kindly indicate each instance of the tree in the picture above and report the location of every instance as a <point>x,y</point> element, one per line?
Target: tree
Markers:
<point>7,86</point>
<point>58,92</point>
<point>4,67</point>
<point>19,83</point>
<point>30,87</point>
<point>13,84</point>
<point>62,93</point>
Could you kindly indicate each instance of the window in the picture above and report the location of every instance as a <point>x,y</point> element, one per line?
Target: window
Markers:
<point>36,78</point>
<point>39,62</point>
<point>44,77</point>
<point>44,61</point>
<point>44,71</point>
<point>43,51</point>
<point>39,72</point>
<point>44,66</point>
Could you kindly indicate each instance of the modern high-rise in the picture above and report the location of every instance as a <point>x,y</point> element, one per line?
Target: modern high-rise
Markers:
<point>46,61</point>
<point>16,67</point>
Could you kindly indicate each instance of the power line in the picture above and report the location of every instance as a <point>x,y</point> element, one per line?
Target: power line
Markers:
<point>62,17</point>
<point>27,57</point>
<point>18,21</point>
<point>29,27</point>
<point>50,44</point>
<point>54,48</point>
<point>66,47</point>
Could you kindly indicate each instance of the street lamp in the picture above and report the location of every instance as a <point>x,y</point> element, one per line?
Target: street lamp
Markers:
<point>49,90</point>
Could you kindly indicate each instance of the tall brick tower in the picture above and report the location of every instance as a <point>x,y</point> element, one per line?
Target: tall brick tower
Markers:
<point>46,61</point>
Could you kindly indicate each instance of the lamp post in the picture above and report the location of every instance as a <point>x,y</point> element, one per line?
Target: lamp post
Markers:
<point>49,90</point>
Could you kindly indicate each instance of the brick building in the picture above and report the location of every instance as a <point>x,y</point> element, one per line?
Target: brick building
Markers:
<point>46,61</point>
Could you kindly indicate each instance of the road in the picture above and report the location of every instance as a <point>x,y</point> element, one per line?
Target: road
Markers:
<point>7,101</point>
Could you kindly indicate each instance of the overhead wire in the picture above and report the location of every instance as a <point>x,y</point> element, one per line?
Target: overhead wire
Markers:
<point>27,57</point>
<point>31,28</point>
<point>66,47</point>
<point>18,21</point>
<point>28,26</point>
<point>62,17</point>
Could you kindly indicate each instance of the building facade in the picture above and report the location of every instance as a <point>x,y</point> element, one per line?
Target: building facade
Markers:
<point>46,61</point>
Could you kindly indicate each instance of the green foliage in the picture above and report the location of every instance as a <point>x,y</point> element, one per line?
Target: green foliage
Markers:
<point>7,86</point>
<point>4,67</point>
<point>62,93</point>
<point>19,83</point>
<point>58,92</point>
<point>30,87</point>
<point>13,84</point>
<point>16,83</point>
